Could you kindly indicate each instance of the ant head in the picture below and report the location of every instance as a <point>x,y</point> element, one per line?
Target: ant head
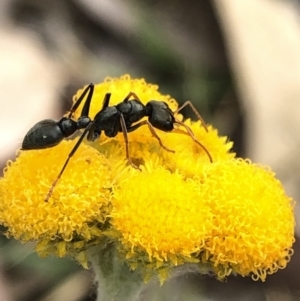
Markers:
<point>161,116</point>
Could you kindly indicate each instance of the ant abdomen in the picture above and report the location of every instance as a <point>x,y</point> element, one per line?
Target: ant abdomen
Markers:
<point>43,134</point>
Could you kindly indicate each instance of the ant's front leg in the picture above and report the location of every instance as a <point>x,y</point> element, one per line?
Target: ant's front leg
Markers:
<point>152,130</point>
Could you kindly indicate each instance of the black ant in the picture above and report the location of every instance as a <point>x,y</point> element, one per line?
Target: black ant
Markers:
<point>124,117</point>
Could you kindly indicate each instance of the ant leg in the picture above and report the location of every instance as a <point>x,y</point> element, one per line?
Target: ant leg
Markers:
<point>130,94</point>
<point>106,101</point>
<point>189,103</point>
<point>73,151</point>
<point>85,110</point>
<point>191,134</point>
<point>124,130</point>
<point>153,132</point>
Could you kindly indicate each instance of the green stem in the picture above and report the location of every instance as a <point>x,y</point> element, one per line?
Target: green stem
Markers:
<point>116,282</point>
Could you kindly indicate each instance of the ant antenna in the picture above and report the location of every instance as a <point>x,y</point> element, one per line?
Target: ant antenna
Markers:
<point>189,103</point>
<point>190,133</point>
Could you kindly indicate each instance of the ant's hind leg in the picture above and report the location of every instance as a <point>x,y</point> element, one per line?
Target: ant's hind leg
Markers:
<point>89,90</point>
<point>70,155</point>
<point>189,103</point>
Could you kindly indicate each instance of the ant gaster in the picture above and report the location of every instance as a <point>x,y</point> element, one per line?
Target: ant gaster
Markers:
<point>124,117</point>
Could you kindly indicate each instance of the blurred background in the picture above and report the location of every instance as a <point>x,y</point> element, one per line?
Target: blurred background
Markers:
<point>239,63</point>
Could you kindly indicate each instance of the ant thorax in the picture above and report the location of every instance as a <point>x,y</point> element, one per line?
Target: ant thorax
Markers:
<point>132,110</point>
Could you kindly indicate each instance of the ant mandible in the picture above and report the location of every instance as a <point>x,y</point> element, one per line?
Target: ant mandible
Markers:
<point>124,117</point>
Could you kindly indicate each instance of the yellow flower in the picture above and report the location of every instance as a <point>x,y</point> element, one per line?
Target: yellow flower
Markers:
<point>230,216</point>
<point>235,219</point>
<point>78,207</point>
<point>253,223</point>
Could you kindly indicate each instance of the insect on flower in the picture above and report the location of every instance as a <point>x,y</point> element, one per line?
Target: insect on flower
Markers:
<point>124,117</point>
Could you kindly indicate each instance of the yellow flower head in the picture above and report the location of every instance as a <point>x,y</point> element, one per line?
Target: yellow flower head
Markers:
<point>74,213</point>
<point>235,219</point>
<point>228,215</point>
<point>253,223</point>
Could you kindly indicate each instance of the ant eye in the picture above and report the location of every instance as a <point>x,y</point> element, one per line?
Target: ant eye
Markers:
<point>168,126</point>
